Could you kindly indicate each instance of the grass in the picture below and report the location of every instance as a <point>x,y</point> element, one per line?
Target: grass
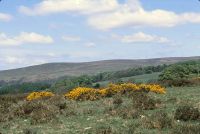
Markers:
<point>139,78</point>
<point>101,116</point>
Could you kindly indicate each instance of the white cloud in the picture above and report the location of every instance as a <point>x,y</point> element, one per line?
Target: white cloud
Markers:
<point>5,17</point>
<point>109,14</point>
<point>156,18</point>
<point>23,38</point>
<point>80,6</point>
<point>71,38</point>
<point>13,60</point>
<point>141,37</point>
<point>90,44</point>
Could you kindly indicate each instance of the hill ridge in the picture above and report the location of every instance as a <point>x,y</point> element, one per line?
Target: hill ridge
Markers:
<point>55,70</point>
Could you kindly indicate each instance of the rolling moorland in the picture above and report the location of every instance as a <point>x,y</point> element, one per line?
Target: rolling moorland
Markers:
<point>149,99</point>
<point>51,71</point>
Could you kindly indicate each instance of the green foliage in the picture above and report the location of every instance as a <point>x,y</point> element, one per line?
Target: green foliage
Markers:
<point>69,83</point>
<point>23,88</point>
<point>87,80</point>
<point>180,72</point>
<point>128,73</point>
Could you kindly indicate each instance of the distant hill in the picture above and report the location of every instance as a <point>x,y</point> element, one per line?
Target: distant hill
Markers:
<point>55,70</point>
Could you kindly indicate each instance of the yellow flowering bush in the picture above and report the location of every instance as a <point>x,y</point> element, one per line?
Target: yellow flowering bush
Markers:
<point>83,93</point>
<point>37,95</point>
<point>103,92</point>
<point>127,87</point>
<point>153,88</point>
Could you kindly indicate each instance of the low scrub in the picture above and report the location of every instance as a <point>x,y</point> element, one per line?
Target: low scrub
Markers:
<point>187,113</point>
<point>38,110</point>
<point>38,95</point>
<point>83,93</point>
<point>181,82</point>
<point>158,120</point>
<point>141,100</point>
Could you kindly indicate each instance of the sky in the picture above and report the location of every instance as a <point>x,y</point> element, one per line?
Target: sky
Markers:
<point>34,32</point>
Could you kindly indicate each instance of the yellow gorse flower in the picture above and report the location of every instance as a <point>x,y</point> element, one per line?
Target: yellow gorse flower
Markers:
<point>83,93</point>
<point>37,95</point>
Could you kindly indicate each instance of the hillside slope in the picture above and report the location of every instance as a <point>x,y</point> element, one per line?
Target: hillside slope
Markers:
<point>56,70</point>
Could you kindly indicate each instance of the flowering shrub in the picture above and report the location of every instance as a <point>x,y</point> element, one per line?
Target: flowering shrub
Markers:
<point>83,93</point>
<point>103,92</point>
<point>37,95</point>
<point>153,88</point>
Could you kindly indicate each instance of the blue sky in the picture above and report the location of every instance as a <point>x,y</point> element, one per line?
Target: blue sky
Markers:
<point>41,31</point>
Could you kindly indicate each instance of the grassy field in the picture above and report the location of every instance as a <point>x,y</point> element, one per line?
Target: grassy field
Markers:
<point>139,78</point>
<point>115,115</point>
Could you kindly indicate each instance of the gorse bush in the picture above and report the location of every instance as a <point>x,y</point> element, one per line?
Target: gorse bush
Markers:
<point>83,93</point>
<point>37,95</point>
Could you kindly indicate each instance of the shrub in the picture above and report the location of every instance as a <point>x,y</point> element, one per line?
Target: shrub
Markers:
<point>181,82</point>
<point>125,112</point>
<point>43,114</point>
<point>38,110</point>
<point>83,93</point>
<point>158,120</point>
<point>38,95</point>
<point>141,100</point>
<point>58,101</point>
<point>97,85</point>
<point>128,112</point>
<point>12,98</point>
<point>117,100</point>
<point>186,113</point>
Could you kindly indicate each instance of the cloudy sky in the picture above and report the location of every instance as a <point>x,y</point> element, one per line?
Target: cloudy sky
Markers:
<point>40,31</point>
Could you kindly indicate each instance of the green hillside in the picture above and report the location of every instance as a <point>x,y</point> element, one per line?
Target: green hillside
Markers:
<point>55,70</point>
<point>139,78</point>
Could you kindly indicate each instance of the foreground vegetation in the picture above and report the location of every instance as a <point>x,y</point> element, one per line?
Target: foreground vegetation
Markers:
<point>135,112</point>
<point>92,105</point>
